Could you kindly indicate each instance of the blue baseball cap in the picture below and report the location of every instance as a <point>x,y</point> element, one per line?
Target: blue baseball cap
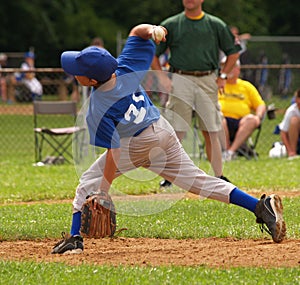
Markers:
<point>29,54</point>
<point>92,62</point>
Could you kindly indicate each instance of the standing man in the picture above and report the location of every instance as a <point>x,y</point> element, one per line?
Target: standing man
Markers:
<point>195,39</point>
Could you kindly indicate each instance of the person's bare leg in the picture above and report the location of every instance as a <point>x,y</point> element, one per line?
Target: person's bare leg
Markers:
<point>293,133</point>
<point>224,136</point>
<point>246,127</point>
<point>214,151</point>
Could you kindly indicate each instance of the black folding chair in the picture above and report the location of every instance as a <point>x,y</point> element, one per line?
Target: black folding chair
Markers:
<point>247,149</point>
<point>55,131</point>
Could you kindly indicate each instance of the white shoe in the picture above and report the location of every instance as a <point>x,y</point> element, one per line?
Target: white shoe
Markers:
<point>293,157</point>
<point>228,155</point>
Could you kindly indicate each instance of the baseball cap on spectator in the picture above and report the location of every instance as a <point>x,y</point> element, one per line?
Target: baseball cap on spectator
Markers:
<point>29,54</point>
<point>92,62</point>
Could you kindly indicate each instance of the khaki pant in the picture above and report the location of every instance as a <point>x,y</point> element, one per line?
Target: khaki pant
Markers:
<point>157,149</point>
<point>194,93</point>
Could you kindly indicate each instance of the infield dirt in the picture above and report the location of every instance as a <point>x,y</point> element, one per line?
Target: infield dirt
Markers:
<point>212,252</point>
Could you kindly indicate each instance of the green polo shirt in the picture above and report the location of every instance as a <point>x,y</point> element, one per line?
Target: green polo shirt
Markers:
<point>196,44</point>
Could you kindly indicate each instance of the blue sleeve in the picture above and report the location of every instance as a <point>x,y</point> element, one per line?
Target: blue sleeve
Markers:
<point>137,55</point>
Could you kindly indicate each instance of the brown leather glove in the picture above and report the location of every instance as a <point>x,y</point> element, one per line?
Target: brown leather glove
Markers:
<point>98,218</point>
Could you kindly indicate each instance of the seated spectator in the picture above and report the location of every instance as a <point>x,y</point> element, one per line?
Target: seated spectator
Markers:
<point>29,79</point>
<point>243,110</point>
<point>290,128</point>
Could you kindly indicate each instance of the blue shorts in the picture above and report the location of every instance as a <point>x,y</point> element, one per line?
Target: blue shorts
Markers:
<point>233,126</point>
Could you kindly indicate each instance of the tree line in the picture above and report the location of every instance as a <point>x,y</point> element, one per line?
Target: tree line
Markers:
<point>52,26</point>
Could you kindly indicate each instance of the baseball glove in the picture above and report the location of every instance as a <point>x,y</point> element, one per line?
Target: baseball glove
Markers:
<point>98,218</point>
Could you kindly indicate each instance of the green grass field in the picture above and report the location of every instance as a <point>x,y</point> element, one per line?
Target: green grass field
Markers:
<point>22,182</point>
<point>181,221</point>
<point>29,273</point>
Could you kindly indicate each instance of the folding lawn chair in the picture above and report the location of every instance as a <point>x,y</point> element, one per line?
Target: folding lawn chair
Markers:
<point>55,132</point>
<point>247,149</point>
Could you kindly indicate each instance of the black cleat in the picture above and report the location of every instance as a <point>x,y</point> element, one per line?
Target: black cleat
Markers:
<point>165,184</point>
<point>69,245</point>
<point>268,213</point>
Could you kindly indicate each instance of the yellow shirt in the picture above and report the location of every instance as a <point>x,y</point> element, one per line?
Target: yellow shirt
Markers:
<point>239,99</point>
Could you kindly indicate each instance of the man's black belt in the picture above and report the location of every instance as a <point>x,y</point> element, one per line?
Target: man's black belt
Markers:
<point>194,73</point>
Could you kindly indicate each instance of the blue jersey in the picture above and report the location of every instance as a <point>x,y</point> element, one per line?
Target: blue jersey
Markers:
<point>125,110</point>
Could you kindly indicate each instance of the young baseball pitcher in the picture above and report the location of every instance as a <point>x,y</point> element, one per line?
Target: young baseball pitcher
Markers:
<point>122,119</point>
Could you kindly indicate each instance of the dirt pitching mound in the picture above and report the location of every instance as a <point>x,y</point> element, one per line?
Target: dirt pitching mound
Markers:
<point>212,252</point>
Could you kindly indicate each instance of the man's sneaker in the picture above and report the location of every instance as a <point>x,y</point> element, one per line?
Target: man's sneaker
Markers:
<point>228,155</point>
<point>294,157</point>
<point>165,184</point>
<point>224,178</point>
<point>69,245</point>
<point>268,213</point>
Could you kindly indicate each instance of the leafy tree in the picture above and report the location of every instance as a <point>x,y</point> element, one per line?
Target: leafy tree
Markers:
<point>51,26</point>
<point>284,17</point>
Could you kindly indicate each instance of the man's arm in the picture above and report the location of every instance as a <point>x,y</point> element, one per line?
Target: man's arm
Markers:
<point>228,65</point>
<point>260,111</point>
<point>230,62</point>
<point>165,83</point>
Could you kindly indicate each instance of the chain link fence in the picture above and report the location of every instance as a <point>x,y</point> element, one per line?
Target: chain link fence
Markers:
<point>16,108</point>
<point>18,90</point>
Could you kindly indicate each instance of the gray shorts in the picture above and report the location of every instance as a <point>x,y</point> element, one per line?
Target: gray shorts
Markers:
<point>194,93</point>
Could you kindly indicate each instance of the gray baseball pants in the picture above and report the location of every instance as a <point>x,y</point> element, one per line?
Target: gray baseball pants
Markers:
<point>157,149</point>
